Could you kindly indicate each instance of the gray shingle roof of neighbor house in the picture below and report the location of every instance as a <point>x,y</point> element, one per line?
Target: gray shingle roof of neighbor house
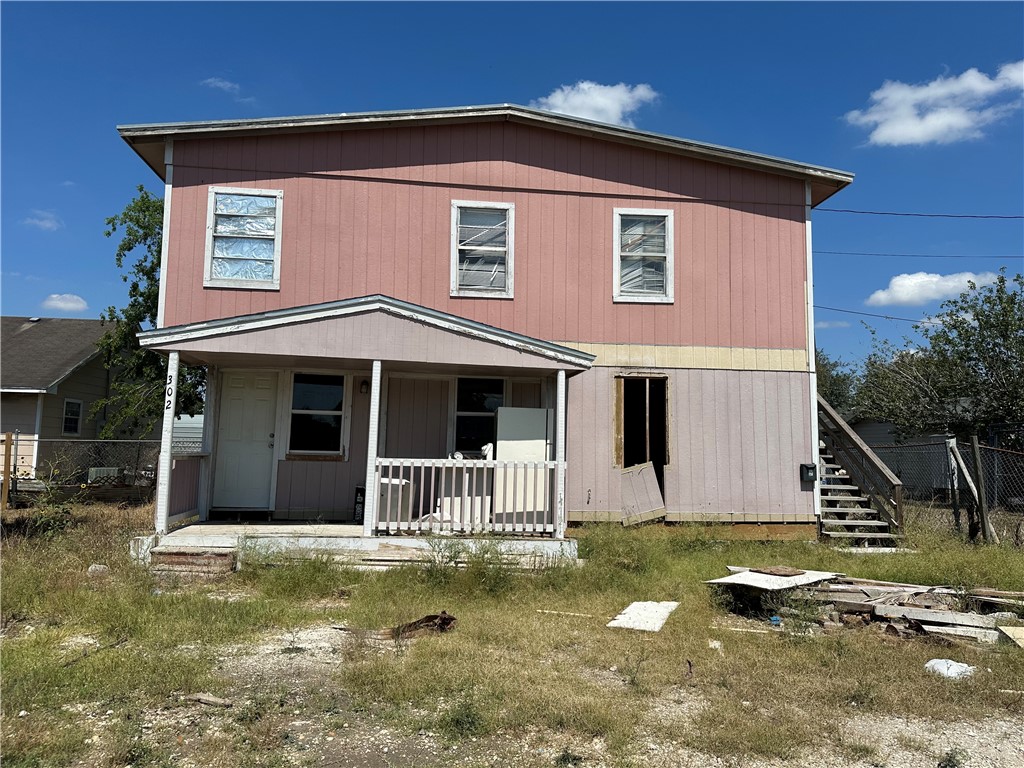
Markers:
<point>39,353</point>
<point>148,139</point>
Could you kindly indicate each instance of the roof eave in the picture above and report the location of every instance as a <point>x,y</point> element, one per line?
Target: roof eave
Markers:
<point>555,352</point>
<point>139,135</point>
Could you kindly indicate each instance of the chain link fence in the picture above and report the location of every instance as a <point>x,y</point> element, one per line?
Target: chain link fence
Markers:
<point>926,472</point>
<point>88,469</point>
<point>934,483</point>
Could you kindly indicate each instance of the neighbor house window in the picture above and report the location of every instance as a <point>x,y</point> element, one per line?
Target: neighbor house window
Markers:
<point>476,406</point>
<point>318,414</point>
<point>643,255</point>
<point>243,238</point>
<point>72,424</point>
<point>482,249</point>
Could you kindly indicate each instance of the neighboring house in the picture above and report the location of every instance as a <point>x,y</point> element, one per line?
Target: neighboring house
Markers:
<point>921,462</point>
<point>51,374</point>
<point>368,290</point>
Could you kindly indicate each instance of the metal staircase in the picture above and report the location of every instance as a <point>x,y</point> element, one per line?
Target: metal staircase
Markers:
<point>861,499</point>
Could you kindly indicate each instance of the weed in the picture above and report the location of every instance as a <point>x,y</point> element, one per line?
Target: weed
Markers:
<point>954,758</point>
<point>445,553</point>
<point>463,720</point>
<point>488,568</point>
<point>568,759</point>
<point>632,669</point>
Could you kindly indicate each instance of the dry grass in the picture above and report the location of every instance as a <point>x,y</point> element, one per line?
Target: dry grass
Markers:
<point>506,669</point>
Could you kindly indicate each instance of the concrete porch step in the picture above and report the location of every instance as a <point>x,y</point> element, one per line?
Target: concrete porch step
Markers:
<point>196,561</point>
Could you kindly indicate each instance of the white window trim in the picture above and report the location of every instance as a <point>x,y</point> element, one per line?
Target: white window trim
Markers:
<point>620,297</point>
<point>63,416</point>
<point>209,281</point>
<point>346,414</point>
<point>509,249</point>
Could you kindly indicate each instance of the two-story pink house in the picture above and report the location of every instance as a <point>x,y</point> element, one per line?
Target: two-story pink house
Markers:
<point>482,315</point>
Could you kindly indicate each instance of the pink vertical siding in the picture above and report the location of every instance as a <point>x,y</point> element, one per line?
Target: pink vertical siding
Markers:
<point>368,211</point>
<point>736,440</point>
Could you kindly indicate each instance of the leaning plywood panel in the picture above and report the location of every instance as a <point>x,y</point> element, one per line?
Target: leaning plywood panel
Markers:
<point>641,495</point>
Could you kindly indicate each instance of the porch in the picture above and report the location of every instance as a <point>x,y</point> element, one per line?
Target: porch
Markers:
<point>458,429</point>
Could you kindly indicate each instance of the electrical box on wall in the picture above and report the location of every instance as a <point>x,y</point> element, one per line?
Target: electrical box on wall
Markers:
<point>808,473</point>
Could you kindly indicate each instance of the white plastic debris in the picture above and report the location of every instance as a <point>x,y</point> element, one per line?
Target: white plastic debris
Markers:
<point>950,668</point>
<point>648,616</point>
<point>716,645</point>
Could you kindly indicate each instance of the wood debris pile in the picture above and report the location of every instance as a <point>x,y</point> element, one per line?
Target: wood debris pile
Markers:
<point>905,610</point>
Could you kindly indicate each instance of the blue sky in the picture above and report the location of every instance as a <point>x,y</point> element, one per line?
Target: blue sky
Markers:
<point>806,81</point>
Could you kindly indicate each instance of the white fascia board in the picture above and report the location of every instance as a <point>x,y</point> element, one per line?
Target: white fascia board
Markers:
<point>24,391</point>
<point>439,320</point>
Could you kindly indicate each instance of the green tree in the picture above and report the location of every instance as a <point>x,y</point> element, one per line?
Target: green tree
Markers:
<point>965,376</point>
<point>837,382</point>
<point>135,403</point>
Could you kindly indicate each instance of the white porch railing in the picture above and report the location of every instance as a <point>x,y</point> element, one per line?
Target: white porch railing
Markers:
<point>465,496</point>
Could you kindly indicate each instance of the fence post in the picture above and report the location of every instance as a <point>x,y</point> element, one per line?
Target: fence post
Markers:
<point>954,483</point>
<point>8,440</point>
<point>986,527</point>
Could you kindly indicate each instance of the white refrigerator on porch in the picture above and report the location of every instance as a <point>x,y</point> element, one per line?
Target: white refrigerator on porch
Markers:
<point>522,492</point>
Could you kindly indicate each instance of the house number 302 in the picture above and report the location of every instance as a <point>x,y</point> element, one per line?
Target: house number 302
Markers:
<point>170,393</point>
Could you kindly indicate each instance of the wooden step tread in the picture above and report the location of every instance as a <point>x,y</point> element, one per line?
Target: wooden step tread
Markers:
<point>839,487</point>
<point>855,535</point>
<point>857,499</point>
<point>865,523</point>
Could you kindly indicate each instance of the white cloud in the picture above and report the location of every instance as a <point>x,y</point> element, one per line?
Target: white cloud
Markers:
<point>825,324</point>
<point>68,184</point>
<point>921,287</point>
<point>48,221</point>
<point>221,84</point>
<point>946,110</point>
<point>65,302</point>
<point>605,103</point>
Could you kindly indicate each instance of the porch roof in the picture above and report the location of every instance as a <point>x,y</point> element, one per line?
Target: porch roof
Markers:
<point>366,328</point>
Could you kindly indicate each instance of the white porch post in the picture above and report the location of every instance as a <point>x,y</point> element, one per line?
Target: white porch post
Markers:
<point>163,484</point>
<point>210,406</point>
<point>811,365</point>
<point>370,503</point>
<point>560,454</point>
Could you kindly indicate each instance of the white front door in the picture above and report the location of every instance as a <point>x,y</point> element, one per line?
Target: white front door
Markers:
<point>245,440</point>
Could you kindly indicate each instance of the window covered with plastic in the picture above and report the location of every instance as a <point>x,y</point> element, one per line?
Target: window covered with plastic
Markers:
<point>244,242</point>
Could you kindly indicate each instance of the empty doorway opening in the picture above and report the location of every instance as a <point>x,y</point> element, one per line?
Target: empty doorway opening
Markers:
<point>645,424</point>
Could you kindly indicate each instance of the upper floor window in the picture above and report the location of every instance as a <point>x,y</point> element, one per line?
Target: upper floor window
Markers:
<point>72,422</point>
<point>243,238</point>
<point>482,249</point>
<point>643,255</point>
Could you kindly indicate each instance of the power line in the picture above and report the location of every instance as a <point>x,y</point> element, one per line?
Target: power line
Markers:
<point>923,255</point>
<point>884,317</point>
<point>922,215</point>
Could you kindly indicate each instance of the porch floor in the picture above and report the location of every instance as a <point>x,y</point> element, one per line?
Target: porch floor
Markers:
<point>296,539</point>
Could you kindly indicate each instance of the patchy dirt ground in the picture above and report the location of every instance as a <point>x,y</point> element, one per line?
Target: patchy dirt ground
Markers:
<point>281,701</point>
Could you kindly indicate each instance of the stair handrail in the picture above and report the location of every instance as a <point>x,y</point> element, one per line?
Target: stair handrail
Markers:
<point>865,467</point>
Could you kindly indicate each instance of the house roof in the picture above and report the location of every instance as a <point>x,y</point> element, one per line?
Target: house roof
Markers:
<point>38,353</point>
<point>516,344</point>
<point>148,139</point>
